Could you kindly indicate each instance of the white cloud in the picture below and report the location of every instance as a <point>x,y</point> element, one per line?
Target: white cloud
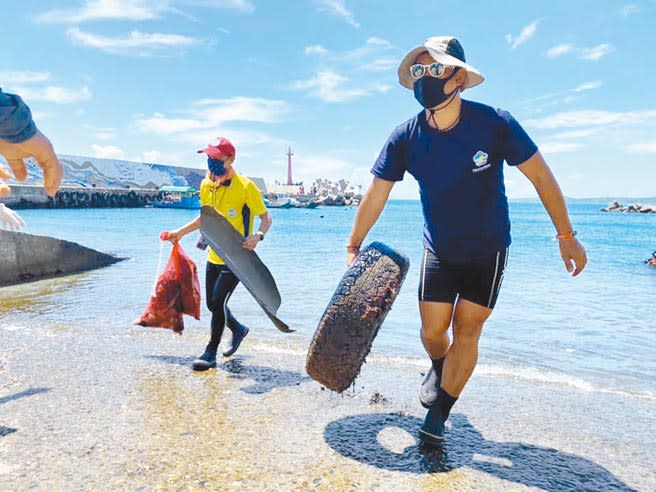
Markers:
<point>526,34</point>
<point>107,152</point>
<point>588,132</point>
<point>517,186</point>
<point>332,87</point>
<point>240,5</point>
<point>629,9</point>
<point>134,10</point>
<point>559,147</point>
<point>315,49</point>
<point>41,115</point>
<point>209,114</point>
<point>558,50</point>
<point>161,125</point>
<point>318,165</point>
<point>153,156</point>
<point>373,47</point>
<point>378,41</point>
<point>260,110</point>
<point>590,118</point>
<point>375,52</point>
<point>586,86</point>
<point>540,103</point>
<point>597,52</point>
<point>10,78</point>
<point>383,64</point>
<point>105,133</point>
<point>54,94</point>
<point>135,44</point>
<point>338,9</point>
<point>643,147</point>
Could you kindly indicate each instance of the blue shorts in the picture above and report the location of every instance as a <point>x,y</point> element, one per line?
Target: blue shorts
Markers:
<point>478,280</point>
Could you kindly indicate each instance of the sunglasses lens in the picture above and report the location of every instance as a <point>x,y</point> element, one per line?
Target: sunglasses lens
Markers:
<point>417,71</point>
<point>436,69</point>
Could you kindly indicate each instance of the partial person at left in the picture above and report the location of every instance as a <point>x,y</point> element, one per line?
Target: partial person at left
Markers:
<point>21,139</point>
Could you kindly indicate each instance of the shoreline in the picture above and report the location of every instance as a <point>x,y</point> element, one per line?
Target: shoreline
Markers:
<point>129,414</point>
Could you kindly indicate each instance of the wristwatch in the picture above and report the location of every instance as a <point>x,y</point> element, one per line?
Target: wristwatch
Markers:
<point>261,234</point>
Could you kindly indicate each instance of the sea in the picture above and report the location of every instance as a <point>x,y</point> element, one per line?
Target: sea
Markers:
<point>594,332</point>
<point>590,337</point>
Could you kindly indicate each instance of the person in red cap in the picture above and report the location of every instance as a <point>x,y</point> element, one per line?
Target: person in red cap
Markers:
<point>238,199</point>
<point>455,149</point>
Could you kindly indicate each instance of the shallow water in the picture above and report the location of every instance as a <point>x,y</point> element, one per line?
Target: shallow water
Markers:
<point>125,412</point>
<point>563,397</point>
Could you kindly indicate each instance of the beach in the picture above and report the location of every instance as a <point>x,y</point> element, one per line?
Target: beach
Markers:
<point>126,413</point>
<point>562,399</point>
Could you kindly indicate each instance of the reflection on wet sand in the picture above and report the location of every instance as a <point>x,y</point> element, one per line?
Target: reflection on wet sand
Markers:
<point>36,295</point>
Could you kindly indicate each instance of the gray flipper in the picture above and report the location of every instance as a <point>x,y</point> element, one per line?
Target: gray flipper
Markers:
<point>245,264</point>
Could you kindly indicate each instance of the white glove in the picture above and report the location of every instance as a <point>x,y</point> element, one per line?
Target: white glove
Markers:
<point>10,219</point>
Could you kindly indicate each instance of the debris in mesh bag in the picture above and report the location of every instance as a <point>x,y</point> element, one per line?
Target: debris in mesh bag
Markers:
<point>176,292</point>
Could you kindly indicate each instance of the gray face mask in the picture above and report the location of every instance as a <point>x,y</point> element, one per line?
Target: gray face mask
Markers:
<point>429,91</point>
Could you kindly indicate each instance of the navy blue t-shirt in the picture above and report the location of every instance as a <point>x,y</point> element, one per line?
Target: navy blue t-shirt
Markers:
<point>460,176</point>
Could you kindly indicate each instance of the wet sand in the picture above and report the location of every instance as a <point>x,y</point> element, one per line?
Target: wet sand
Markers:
<point>87,410</point>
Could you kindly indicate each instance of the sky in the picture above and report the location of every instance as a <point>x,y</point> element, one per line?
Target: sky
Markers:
<point>152,81</point>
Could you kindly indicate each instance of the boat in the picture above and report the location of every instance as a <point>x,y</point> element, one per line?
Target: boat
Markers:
<point>280,202</point>
<point>178,197</point>
<point>310,204</point>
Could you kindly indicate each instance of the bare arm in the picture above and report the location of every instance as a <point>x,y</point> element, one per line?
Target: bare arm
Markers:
<point>265,223</point>
<point>39,147</point>
<point>369,210</point>
<point>176,235</point>
<point>571,250</point>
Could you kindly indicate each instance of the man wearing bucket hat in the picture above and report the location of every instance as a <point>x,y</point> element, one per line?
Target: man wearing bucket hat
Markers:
<point>455,149</point>
<point>238,199</point>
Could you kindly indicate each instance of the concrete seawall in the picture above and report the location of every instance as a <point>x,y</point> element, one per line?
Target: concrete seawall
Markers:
<point>31,196</point>
<point>26,257</point>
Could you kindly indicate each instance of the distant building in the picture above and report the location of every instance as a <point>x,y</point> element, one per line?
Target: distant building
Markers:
<point>259,182</point>
<point>91,172</point>
<point>286,189</point>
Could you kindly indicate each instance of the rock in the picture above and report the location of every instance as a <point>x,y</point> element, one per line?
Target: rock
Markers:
<point>26,257</point>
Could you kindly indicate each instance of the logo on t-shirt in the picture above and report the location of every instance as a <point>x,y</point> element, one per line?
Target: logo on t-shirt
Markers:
<point>232,213</point>
<point>480,161</point>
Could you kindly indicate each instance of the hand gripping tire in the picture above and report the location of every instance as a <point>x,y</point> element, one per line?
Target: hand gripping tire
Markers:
<point>356,311</point>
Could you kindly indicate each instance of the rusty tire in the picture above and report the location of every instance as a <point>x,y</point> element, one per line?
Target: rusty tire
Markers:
<point>356,311</point>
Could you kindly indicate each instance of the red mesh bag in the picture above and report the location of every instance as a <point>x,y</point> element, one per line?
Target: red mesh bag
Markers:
<point>189,284</point>
<point>177,291</point>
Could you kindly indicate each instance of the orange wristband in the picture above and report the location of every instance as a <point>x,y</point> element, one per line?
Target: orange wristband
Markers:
<point>568,236</point>
<point>352,249</point>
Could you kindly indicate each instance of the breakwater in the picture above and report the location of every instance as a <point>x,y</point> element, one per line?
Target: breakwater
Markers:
<point>27,257</point>
<point>32,196</point>
<point>633,207</point>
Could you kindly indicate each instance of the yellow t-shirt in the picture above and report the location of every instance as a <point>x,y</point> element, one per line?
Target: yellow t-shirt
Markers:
<point>230,201</point>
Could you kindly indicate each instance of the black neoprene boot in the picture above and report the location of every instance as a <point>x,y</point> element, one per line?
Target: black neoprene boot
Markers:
<point>205,361</point>
<point>239,332</point>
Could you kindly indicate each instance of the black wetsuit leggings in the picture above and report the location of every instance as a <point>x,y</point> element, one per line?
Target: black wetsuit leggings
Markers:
<point>220,282</point>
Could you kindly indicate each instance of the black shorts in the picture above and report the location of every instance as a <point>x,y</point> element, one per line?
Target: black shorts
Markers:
<point>478,280</point>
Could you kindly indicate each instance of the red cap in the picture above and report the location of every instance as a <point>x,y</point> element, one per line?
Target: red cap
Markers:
<point>219,148</point>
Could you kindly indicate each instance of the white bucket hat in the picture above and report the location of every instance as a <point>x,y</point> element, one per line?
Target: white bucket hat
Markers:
<point>444,49</point>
